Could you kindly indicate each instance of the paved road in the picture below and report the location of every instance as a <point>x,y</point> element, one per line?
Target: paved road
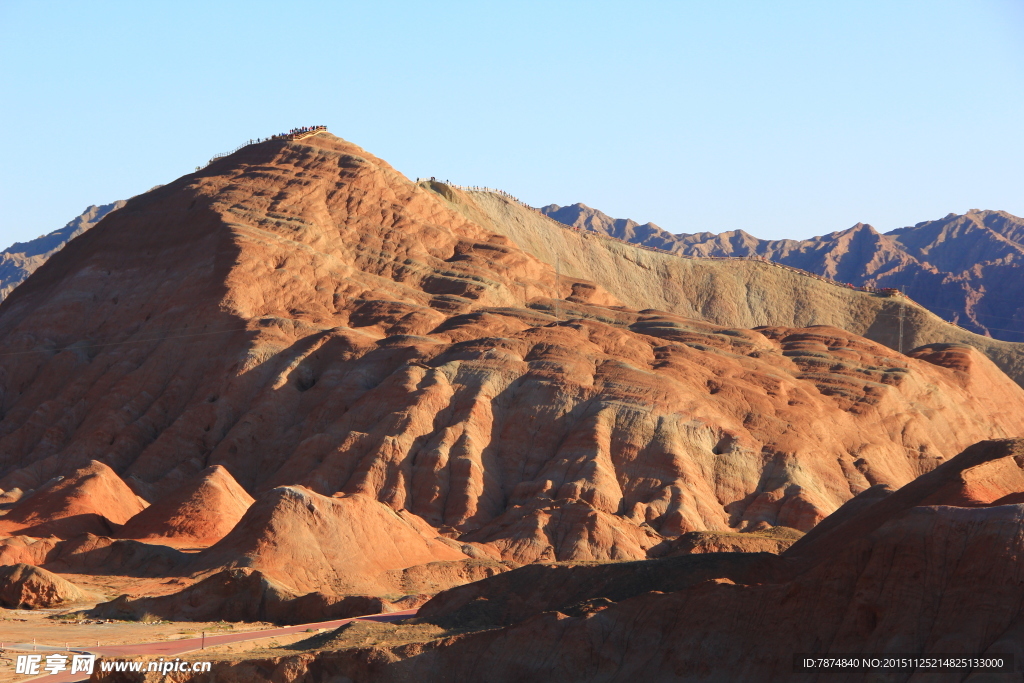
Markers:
<point>172,648</point>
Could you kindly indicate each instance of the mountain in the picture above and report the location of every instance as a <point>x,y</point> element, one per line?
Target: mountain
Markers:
<point>372,358</point>
<point>21,259</point>
<point>302,314</point>
<point>965,268</point>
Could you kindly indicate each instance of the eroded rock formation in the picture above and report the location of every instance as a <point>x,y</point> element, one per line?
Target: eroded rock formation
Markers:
<point>25,586</point>
<point>93,499</point>
<point>300,314</point>
<point>197,514</point>
<point>891,574</point>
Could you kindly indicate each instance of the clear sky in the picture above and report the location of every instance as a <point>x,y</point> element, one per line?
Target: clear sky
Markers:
<point>785,119</point>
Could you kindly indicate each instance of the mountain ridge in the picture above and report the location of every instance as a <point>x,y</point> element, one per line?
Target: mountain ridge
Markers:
<point>944,264</point>
<point>21,259</point>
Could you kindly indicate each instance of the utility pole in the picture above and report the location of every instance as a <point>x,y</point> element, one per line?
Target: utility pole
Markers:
<point>903,301</point>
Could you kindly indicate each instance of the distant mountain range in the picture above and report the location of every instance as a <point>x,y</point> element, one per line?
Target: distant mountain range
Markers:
<point>21,259</point>
<point>965,268</point>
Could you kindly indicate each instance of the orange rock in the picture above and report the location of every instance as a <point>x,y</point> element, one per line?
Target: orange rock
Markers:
<point>26,550</point>
<point>199,513</point>
<point>93,499</point>
<point>23,586</point>
<point>306,542</point>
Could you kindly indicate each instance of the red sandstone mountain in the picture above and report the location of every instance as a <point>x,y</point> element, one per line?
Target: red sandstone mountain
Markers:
<point>416,398</point>
<point>301,314</point>
<point>965,268</point>
<point>198,513</point>
<point>93,499</point>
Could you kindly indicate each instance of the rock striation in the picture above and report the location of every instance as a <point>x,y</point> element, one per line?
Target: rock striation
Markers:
<point>305,317</point>
<point>198,513</point>
<point>93,499</point>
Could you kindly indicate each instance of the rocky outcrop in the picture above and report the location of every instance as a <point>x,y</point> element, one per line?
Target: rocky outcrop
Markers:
<point>517,595</point>
<point>9,498</point>
<point>93,499</point>
<point>767,540</point>
<point>23,586</point>
<point>96,555</point>
<point>100,555</point>
<point>198,513</point>
<point>246,594</point>
<point>340,545</point>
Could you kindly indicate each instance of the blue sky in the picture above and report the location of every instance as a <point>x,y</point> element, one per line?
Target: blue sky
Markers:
<point>785,119</point>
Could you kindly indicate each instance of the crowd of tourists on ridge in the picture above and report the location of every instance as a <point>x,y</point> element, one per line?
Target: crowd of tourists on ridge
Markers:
<point>301,130</point>
<point>293,133</point>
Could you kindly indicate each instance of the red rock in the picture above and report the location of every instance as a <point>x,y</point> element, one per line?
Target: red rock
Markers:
<point>92,500</point>
<point>891,577</point>
<point>199,513</point>
<point>23,586</point>
<point>306,542</point>
<point>26,550</point>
